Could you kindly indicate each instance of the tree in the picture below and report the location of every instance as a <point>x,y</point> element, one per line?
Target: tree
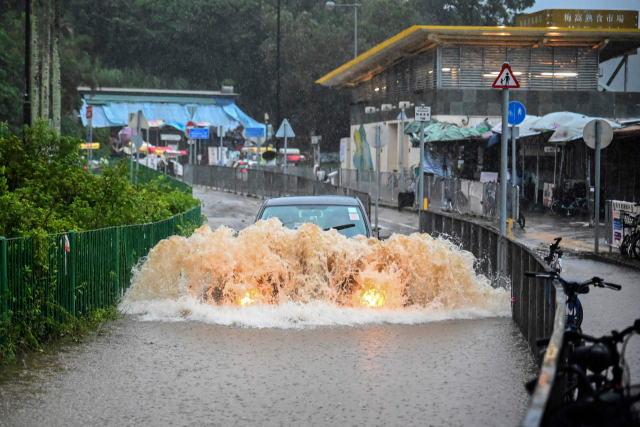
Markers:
<point>55,71</point>
<point>201,43</point>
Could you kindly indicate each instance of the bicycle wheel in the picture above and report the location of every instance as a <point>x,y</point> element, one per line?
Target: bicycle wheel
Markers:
<point>555,207</point>
<point>634,246</point>
<point>624,248</point>
<point>521,220</point>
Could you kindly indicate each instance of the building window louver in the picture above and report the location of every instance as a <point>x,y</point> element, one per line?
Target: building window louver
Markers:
<point>561,68</point>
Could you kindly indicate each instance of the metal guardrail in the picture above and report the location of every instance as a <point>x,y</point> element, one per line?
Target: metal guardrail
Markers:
<point>77,272</point>
<point>531,312</point>
<point>550,388</point>
<point>265,183</point>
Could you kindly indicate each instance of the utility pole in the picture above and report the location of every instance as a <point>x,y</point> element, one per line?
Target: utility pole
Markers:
<point>377,177</point>
<point>278,117</point>
<point>27,66</point>
<point>596,242</point>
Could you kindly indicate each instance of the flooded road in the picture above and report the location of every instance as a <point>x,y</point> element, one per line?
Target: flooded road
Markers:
<point>184,373</point>
<point>144,371</point>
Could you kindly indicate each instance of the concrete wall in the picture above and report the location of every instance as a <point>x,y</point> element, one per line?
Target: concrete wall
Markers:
<point>483,103</point>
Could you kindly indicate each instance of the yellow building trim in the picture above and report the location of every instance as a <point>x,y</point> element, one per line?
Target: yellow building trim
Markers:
<point>370,52</point>
<point>475,32</point>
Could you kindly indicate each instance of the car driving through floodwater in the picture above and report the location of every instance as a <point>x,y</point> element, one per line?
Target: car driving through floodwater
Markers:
<point>344,214</point>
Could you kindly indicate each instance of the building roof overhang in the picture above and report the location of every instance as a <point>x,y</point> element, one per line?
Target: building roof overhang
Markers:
<point>115,94</point>
<point>612,43</point>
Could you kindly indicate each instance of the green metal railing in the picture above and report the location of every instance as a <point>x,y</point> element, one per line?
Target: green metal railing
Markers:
<point>74,273</point>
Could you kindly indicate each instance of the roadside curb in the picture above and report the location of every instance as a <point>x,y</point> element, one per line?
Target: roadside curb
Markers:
<point>634,265</point>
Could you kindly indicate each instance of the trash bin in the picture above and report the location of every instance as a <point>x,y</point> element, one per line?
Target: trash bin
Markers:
<point>405,199</point>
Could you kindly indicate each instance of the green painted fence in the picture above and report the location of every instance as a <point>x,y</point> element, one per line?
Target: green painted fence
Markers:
<point>74,273</point>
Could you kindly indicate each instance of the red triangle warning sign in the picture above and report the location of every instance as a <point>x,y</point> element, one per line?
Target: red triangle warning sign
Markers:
<point>506,79</point>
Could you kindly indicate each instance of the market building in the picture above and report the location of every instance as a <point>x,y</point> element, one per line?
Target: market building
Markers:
<point>168,113</point>
<point>452,69</point>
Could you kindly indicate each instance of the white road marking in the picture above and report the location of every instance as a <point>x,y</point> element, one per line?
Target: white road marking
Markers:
<point>399,223</point>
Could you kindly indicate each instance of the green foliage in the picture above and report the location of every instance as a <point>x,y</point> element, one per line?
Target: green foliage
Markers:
<point>30,331</point>
<point>11,69</point>
<point>45,189</point>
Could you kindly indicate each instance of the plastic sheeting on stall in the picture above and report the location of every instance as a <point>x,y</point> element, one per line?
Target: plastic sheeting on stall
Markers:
<point>565,125</point>
<point>117,114</point>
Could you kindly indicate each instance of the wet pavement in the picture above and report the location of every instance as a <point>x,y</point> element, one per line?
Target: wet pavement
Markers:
<point>606,309</point>
<point>175,374</point>
<point>450,373</point>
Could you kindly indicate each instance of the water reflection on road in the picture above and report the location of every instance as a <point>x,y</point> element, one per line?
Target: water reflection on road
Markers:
<point>187,373</point>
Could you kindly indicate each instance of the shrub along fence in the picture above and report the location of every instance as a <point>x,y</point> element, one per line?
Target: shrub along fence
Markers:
<point>146,174</point>
<point>74,273</point>
<point>530,308</point>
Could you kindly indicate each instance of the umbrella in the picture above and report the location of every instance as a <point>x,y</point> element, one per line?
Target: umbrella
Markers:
<point>573,129</point>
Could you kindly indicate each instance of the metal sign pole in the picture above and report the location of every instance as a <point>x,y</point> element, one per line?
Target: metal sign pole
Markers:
<point>131,161</point>
<point>537,171</point>
<point>90,140</point>
<point>285,147</point>
<point>138,148</point>
<point>503,163</point>
<point>504,160</point>
<point>523,151</point>
<point>421,171</point>
<point>259,151</point>
<point>402,178</point>
<point>514,177</point>
<point>377,176</point>
<point>596,242</point>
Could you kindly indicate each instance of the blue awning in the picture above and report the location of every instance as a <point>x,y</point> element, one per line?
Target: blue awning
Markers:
<point>117,114</point>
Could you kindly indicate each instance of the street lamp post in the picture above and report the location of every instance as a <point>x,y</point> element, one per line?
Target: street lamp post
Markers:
<point>331,5</point>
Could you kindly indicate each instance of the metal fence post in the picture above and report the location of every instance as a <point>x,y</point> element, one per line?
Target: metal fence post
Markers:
<point>117,252</point>
<point>4,284</point>
<point>72,270</point>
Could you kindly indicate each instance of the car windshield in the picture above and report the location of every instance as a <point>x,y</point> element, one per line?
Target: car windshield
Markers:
<point>324,216</point>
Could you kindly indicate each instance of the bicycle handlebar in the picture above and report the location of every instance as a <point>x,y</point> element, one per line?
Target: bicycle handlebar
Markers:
<point>615,336</point>
<point>580,287</point>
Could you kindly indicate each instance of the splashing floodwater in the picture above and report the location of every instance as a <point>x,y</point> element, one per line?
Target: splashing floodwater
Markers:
<point>272,276</point>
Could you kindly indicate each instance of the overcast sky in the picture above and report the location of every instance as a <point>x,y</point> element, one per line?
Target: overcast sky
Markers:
<point>609,66</point>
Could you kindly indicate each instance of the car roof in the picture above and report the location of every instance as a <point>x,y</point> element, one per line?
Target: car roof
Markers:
<point>313,200</point>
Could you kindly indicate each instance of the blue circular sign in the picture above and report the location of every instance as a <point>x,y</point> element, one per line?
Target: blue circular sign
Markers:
<point>517,113</point>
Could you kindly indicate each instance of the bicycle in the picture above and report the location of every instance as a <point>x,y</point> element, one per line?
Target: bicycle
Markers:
<point>554,259</point>
<point>489,204</point>
<point>575,313</point>
<point>603,398</point>
<point>524,205</point>
<point>393,181</point>
<point>578,207</point>
<point>630,245</point>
